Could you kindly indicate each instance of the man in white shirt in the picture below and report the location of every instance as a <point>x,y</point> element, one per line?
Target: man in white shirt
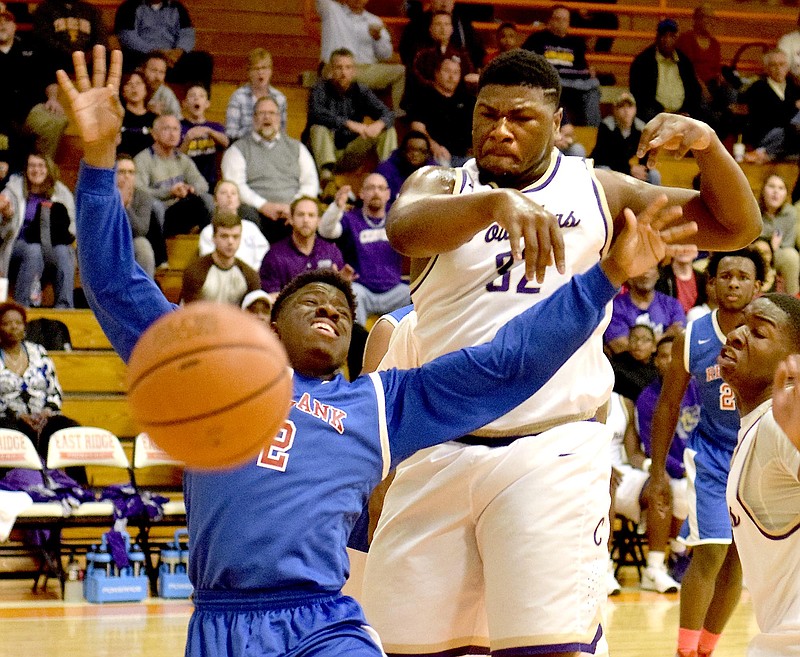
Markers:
<point>271,169</point>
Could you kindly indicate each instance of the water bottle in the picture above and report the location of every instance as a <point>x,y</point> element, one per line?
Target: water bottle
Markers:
<point>73,588</point>
<point>103,561</point>
<point>91,559</point>
<point>171,557</point>
<point>136,557</point>
<point>184,566</point>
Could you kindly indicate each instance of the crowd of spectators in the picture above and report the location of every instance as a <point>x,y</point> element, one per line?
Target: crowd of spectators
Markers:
<point>172,157</point>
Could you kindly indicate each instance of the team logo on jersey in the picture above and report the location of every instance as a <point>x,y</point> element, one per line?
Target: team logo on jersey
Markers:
<point>497,234</point>
<point>333,416</point>
<point>735,520</point>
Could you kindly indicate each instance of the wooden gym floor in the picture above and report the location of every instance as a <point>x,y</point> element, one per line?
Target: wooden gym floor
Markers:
<point>639,624</point>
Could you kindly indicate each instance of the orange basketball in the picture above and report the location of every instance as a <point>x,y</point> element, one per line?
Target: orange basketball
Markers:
<point>210,384</point>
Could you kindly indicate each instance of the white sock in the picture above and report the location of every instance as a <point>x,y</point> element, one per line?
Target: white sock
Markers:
<point>676,547</point>
<point>655,560</point>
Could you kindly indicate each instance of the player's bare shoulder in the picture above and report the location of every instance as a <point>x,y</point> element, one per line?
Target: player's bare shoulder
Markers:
<point>429,180</point>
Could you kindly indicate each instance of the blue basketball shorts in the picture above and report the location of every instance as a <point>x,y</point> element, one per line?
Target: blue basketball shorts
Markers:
<point>239,624</point>
<point>707,473</point>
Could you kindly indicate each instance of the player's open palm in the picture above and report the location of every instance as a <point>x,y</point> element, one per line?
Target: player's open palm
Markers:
<point>786,398</point>
<point>94,104</point>
<point>645,240</point>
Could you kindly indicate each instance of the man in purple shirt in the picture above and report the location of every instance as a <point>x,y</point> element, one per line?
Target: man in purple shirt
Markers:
<point>643,304</point>
<point>299,252</point>
<point>378,287</point>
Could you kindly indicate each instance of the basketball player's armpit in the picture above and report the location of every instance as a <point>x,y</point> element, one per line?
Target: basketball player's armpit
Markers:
<point>456,394</point>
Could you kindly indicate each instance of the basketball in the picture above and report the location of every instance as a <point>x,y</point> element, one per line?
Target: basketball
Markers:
<point>210,384</point>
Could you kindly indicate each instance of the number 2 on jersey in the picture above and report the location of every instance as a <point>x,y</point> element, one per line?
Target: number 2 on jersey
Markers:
<point>727,400</point>
<point>504,261</point>
<point>275,456</point>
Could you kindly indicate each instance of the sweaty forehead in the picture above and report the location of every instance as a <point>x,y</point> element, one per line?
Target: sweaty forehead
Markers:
<point>499,96</point>
<point>324,290</point>
<point>763,309</point>
<point>736,263</point>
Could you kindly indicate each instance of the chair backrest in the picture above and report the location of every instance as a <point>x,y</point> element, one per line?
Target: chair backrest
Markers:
<point>17,451</point>
<point>85,446</point>
<point>146,453</point>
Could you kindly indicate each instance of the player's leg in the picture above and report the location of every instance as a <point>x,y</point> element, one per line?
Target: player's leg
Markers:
<point>423,586</point>
<point>543,538</point>
<point>727,592</point>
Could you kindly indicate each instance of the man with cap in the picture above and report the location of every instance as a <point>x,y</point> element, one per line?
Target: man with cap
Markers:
<point>259,304</point>
<point>618,139</point>
<point>663,79</point>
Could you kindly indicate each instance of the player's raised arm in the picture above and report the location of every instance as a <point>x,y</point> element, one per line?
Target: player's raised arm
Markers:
<point>526,352</point>
<point>786,398</point>
<point>725,209</point>
<point>124,299</point>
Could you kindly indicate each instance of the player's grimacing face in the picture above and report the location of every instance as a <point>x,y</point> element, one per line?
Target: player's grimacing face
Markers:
<point>513,130</point>
<point>735,284</point>
<point>315,326</point>
<point>753,351</point>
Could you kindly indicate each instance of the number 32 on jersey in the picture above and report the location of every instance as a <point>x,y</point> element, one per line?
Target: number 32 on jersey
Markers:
<point>502,283</point>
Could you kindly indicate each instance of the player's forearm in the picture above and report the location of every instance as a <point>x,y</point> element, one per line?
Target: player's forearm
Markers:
<point>665,419</point>
<point>726,194</point>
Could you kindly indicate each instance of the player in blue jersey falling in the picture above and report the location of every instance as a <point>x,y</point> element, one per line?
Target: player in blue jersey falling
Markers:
<point>268,538</point>
<point>712,585</point>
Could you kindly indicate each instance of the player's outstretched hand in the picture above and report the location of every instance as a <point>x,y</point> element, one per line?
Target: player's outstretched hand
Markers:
<point>675,134</point>
<point>786,398</point>
<point>645,240</point>
<point>94,104</point>
<point>525,219</point>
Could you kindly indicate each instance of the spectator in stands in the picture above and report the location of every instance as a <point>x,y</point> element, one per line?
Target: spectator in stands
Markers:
<point>790,44</point>
<point>779,219</point>
<point>633,368</point>
<point>270,169</point>
<point>220,276</point>
<point>239,115</point>
<point>63,26</point>
<point>345,24</point>
<point>443,112</point>
<point>201,139</point>
<point>565,140</point>
<point>160,98</point>
<point>679,279</point>
<point>416,35</point>
<point>642,304</point>
<point>143,26</point>
<point>580,89</point>
<point>663,79</point>
<point>253,245</point>
<point>423,70</point>
<point>631,495</point>
<point>337,109</point>
<point>771,282</point>
<point>618,140</point>
<point>30,95</point>
<point>172,178</point>
<point>507,38</point>
<point>413,153</point>
<point>30,395</point>
<point>259,304</point>
<point>39,199</point>
<point>772,106</point>
<point>378,285</point>
<point>137,123</point>
<point>149,247</point>
<point>705,53</point>
<point>303,250</point>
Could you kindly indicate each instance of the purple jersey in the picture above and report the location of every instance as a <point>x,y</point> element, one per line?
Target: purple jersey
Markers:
<point>659,315</point>
<point>367,249</point>
<point>284,261</point>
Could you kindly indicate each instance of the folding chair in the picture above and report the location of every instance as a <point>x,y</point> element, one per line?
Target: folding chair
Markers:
<point>146,454</point>
<point>17,451</point>
<point>628,546</point>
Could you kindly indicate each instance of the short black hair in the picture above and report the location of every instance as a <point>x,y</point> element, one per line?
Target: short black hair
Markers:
<point>327,276</point>
<point>414,134</point>
<point>522,68</point>
<point>646,327</point>
<point>747,252</point>
<point>791,306</point>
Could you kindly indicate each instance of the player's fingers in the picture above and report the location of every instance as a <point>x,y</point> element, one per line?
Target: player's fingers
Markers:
<point>557,240</point>
<point>115,71</point>
<point>531,254</point>
<point>667,216</point>
<point>98,66</point>
<point>650,213</point>
<point>648,133</point>
<point>544,256</point>
<point>514,238</point>
<point>679,233</point>
<point>66,84</point>
<point>81,74</point>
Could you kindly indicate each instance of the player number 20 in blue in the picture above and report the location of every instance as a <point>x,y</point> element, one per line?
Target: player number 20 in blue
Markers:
<point>504,261</point>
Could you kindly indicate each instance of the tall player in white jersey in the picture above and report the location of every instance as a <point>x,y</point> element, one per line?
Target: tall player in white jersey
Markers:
<point>497,542</point>
<point>764,482</point>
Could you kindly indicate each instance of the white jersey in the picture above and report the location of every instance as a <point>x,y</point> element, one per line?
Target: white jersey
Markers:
<point>464,296</point>
<point>617,421</point>
<point>764,502</point>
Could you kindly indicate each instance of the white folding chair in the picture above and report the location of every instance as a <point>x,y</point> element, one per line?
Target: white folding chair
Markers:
<point>146,454</point>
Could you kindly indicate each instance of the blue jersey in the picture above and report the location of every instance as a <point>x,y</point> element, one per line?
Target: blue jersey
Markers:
<point>719,419</point>
<point>280,523</point>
